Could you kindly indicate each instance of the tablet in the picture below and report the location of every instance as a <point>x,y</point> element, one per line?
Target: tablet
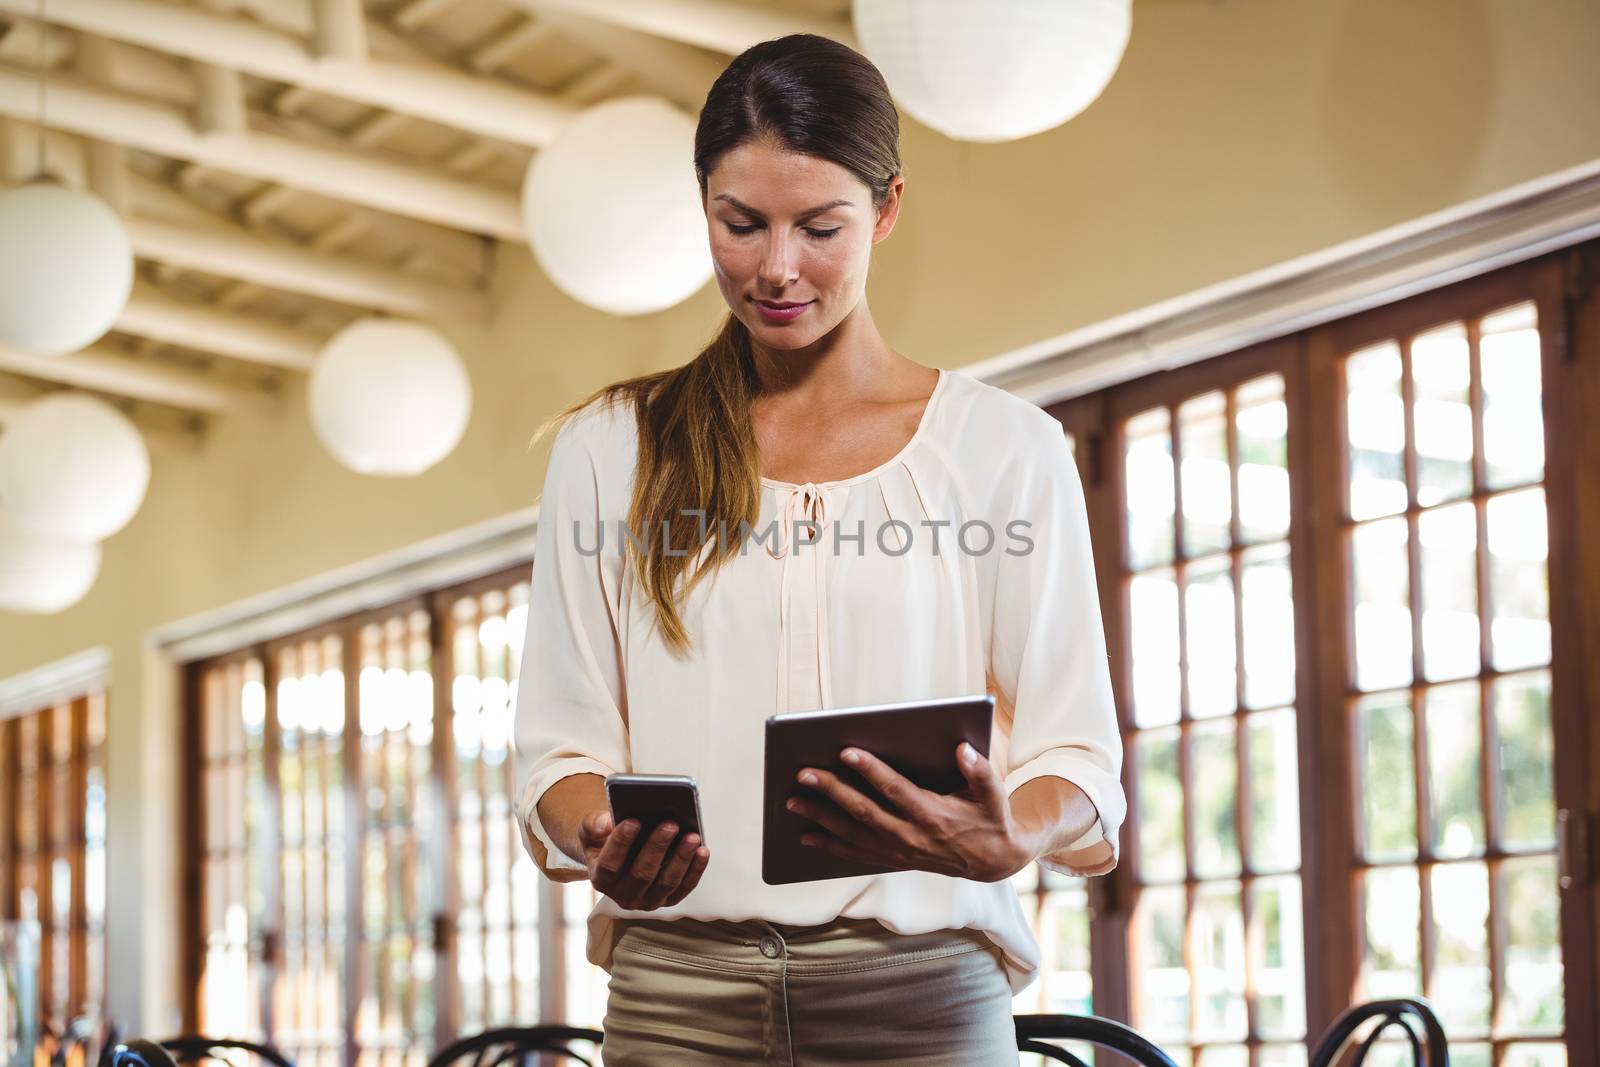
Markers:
<point>918,738</point>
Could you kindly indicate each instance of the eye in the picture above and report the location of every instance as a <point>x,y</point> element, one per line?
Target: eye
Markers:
<point>819,234</point>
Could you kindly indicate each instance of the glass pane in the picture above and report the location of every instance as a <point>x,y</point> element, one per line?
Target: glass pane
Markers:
<point>1214,792</point>
<point>1261,425</point>
<point>1283,1056</point>
<point>1148,471</point>
<point>1376,425</point>
<point>1527,1054</point>
<point>1224,1056</point>
<point>1219,974</point>
<point>1460,985</point>
<point>1392,905</point>
<point>1531,999</point>
<point>1163,981</point>
<point>1527,760</point>
<point>1441,375</point>
<point>1064,929</point>
<point>1388,781</point>
<point>1207,489</point>
<point>1274,791</point>
<point>1383,604</point>
<point>1455,770</point>
<point>1160,813</point>
<point>1513,416</point>
<point>1277,958</point>
<point>1519,590</point>
<point>1209,621</point>
<point>1450,633</point>
<point>1153,623</point>
<point>1268,617</point>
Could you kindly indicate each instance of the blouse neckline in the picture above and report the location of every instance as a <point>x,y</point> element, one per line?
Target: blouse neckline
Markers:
<point>922,426</point>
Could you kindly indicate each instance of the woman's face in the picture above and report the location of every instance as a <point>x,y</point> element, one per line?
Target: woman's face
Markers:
<point>770,243</point>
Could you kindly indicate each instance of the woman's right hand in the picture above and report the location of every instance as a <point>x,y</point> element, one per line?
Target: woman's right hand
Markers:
<point>661,875</point>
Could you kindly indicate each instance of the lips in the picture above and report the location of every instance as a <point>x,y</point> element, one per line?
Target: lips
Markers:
<point>784,312</point>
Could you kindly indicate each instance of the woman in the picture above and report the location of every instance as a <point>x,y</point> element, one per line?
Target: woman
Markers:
<point>665,652</point>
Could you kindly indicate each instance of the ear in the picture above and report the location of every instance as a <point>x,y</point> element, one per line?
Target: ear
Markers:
<point>890,211</point>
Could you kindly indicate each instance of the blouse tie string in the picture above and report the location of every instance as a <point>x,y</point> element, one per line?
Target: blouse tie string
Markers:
<point>803,673</point>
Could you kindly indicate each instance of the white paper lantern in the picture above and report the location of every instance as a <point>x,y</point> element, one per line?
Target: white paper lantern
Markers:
<point>66,268</point>
<point>43,575</point>
<point>72,467</point>
<point>996,70</point>
<point>613,208</point>
<point>389,397</point>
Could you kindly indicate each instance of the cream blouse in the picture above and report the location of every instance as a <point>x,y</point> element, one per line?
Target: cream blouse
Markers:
<point>958,567</point>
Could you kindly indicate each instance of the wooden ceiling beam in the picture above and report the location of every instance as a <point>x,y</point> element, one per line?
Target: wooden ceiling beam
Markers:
<point>101,369</point>
<point>152,313</point>
<point>166,227</point>
<point>724,26</point>
<point>681,72</point>
<point>413,191</point>
<point>419,86</point>
<point>166,436</point>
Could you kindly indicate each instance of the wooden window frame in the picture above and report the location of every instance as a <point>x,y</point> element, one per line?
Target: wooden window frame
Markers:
<point>1563,287</point>
<point>439,787</point>
<point>83,753</point>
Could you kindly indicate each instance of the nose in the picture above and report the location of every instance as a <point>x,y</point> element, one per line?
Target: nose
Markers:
<point>777,261</point>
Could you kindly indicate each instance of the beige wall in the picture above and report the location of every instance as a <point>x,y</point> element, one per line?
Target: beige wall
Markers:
<point>1237,134</point>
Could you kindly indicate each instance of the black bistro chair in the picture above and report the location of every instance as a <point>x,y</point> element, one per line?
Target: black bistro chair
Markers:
<point>1414,1018</point>
<point>81,1035</point>
<point>513,1045</point>
<point>197,1048</point>
<point>1035,1032</point>
<point>137,1052</point>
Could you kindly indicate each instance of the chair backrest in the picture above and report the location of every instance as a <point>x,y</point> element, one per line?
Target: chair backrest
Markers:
<point>136,1052</point>
<point>196,1048</point>
<point>1035,1032</point>
<point>81,1034</point>
<point>1410,1014</point>
<point>509,1044</point>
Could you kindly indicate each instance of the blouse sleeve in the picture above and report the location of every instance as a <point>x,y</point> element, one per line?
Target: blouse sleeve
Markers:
<point>570,713</point>
<point>1048,652</point>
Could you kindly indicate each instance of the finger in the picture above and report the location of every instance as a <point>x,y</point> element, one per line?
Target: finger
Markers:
<point>697,867</point>
<point>594,828</point>
<point>672,871</point>
<point>647,864</point>
<point>835,820</point>
<point>854,803</point>
<point>836,846</point>
<point>982,779</point>
<point>614,853</point>
<point>895,787</point>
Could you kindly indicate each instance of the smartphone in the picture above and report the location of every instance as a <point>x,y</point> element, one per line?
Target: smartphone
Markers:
<point>654,799</point>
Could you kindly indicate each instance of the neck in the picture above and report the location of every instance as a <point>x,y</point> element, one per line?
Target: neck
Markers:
<point>849,360</point>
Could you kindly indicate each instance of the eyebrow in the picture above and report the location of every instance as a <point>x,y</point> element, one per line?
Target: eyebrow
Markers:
<point>747,209</point>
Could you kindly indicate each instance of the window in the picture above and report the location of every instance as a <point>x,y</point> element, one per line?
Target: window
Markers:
<point>359,868</point>
<point>53,848</point>
<point>1451,721</point>
<point>1326,567</point>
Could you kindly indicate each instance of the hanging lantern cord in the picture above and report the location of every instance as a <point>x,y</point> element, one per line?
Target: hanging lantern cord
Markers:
<point>44,74</point>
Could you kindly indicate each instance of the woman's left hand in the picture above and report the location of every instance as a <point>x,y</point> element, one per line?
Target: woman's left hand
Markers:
<point>970,834</point>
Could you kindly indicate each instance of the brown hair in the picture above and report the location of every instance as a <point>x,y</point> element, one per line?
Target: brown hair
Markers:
<point>697,449</point>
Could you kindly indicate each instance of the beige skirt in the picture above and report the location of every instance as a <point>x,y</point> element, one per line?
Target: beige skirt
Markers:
<point>689,992</point>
